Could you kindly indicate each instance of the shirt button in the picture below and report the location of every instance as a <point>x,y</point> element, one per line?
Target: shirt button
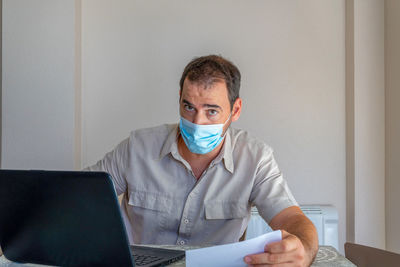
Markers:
<point>186,221</point>
<point>182,242</point>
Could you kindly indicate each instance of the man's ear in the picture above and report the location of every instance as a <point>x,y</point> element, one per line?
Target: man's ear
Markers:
<point>236,109</point>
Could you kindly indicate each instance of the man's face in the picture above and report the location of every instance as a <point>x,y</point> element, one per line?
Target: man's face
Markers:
<point>209,105</point>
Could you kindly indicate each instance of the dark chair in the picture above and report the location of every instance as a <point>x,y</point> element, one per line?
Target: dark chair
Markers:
<point>364,256</point>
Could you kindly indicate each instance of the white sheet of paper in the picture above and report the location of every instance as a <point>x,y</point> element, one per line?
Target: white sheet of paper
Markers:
<point>230,255</point>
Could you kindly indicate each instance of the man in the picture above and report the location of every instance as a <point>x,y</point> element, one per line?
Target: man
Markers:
<point>194,183</point>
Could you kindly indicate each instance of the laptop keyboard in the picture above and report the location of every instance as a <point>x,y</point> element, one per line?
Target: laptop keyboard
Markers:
<point>141,259</point>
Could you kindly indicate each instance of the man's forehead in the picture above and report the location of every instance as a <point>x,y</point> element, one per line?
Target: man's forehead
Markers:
<point>199,88</point>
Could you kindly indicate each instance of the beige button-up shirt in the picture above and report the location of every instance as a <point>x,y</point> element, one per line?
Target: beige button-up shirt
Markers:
<point>165,204</point>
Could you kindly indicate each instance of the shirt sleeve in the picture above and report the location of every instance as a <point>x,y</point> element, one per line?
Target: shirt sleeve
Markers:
<point>115,163</point>
<point>270,193</point>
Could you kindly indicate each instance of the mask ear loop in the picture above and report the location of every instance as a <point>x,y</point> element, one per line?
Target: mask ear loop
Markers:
<point>230,115</point>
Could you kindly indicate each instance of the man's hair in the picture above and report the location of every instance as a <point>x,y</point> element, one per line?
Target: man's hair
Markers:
<point>207,70</point>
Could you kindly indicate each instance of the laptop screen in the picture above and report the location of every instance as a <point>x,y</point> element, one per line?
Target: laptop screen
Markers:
<point>61,218</point>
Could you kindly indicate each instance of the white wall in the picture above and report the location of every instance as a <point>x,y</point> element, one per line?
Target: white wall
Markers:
<point>38,84</point>
<point>291,55</point>
<point>392,58</point>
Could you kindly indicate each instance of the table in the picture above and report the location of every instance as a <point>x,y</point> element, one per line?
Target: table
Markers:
<point>327,257</point>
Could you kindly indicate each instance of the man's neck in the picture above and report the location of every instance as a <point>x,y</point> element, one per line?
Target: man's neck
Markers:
<point>198,162</point>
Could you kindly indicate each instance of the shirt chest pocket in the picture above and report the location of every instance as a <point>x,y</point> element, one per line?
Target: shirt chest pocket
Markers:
<point>151,201</point>
<point>151,210</point>
<point>225,210</point>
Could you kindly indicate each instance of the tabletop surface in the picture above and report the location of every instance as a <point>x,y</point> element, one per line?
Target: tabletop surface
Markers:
<point>327,256</point>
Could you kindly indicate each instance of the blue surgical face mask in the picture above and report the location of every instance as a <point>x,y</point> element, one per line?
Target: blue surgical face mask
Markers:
<point>201,139</point>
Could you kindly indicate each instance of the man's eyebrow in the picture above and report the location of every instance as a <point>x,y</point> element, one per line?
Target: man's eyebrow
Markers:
<point>205,105</point>
<point>212,106</point>
<point>187,102</point>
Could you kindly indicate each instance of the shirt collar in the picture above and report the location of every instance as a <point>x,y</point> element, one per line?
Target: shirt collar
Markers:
<point>171,146</point>
<point>226,152</point>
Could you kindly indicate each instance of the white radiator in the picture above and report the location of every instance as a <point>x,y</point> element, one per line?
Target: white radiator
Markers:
<point>324,217</point>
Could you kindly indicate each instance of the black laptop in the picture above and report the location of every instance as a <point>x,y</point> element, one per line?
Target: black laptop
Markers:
<point>67,218</point>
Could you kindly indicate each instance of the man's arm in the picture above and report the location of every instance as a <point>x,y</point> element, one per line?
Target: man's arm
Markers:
<point>299,244</point>
<point>114,163</point>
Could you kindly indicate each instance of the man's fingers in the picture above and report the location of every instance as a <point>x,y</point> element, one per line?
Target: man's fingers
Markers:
<point>289,264</point>
<point>268,258</point>
<point>289,243</point>
<point>288,250</point>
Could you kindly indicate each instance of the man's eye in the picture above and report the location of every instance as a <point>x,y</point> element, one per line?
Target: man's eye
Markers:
<point>212,112</point>
<point>188,108</point>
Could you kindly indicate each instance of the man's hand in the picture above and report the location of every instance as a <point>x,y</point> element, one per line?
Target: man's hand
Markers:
<point>299,244</point>
<point>288,252</point>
